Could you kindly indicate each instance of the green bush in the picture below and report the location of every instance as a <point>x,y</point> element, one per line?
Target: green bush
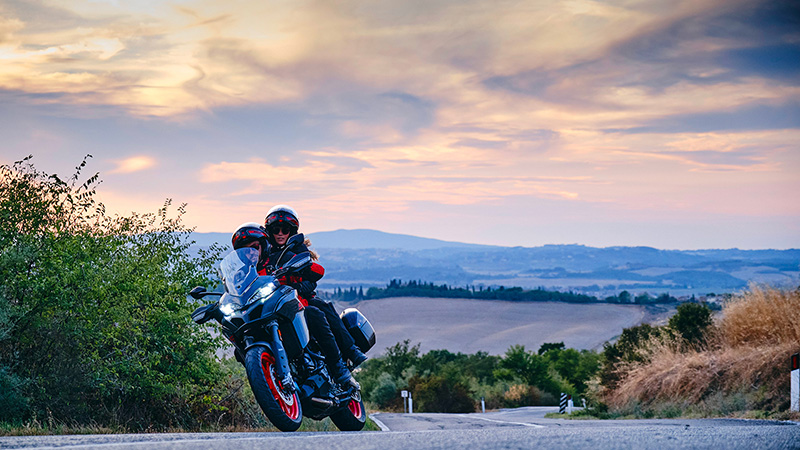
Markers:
<point>442,381</point>
<point>532,369</point>
<point>574,367</point>
<point>96,325</point>
<point>691,322</point>
<point>437,393</point>
<point>385,391</point>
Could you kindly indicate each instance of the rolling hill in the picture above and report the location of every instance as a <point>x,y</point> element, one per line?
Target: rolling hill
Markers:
<point>468,326</point>
<point>373,258</point>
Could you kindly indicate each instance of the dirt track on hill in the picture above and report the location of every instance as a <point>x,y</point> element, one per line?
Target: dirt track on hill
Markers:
<point>468,326</point>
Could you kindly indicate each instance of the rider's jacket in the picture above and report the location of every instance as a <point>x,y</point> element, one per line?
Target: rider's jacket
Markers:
<point>269,261</point>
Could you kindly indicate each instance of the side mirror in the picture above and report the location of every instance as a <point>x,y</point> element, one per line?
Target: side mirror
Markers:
<point>197,292</point>
<point>203,314</point>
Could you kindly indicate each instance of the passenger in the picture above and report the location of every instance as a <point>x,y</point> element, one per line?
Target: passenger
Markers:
<point>282,223</point>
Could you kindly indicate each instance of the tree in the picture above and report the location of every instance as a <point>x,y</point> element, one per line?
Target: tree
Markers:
<point>437,393</point>
<point>385,391</point>
<point>547,346</point>
<point>628,348</point>
<point>575,367</point>
<point>94,309</point>
<point>400,357</point>
<point>526,366</point>
<point>691,322</point>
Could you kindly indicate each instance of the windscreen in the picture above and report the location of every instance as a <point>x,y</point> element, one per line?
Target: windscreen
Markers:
<point>239,272</point>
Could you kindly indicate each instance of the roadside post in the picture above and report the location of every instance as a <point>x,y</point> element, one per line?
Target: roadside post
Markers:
<point>562,405</point>
<point>404,394</point>
<point>795,390</point>
<point>410,404</point>
<point>570,405</point>
<point>483,405</point>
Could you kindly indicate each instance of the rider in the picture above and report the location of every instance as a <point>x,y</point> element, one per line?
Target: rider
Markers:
<point>282,223</point>
<point>252,235</point>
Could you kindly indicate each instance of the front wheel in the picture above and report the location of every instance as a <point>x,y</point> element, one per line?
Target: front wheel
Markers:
<point>351,418</point>
<point>281,406</point>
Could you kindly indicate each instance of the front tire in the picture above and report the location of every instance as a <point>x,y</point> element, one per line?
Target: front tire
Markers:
<point>281,406</point>
<point>352,417</point>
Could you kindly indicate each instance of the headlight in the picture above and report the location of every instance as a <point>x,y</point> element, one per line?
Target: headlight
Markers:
<point>226,309</point>
<point>262,294</point>
<point>265,291</point>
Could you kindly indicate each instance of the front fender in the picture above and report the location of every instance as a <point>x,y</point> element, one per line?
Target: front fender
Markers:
<point>264,344</point>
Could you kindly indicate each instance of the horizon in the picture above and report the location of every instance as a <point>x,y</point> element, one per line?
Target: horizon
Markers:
<point>666,124</point>
<point>535,246</point>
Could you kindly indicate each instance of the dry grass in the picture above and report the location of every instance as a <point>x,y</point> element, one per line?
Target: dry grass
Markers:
<point>744,367</point>
<point>762,316</point>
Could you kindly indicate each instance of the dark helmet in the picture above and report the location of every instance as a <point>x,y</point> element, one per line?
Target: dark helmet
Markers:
<point>247,233</point>
<point>281,216</point>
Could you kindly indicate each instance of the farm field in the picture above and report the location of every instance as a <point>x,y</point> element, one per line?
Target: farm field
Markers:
<point>468,325</point>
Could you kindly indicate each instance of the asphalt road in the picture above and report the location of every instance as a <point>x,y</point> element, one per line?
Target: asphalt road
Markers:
<point>521,428</point>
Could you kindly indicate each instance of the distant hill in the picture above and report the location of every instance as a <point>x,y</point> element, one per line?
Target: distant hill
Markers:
<point>207,239</point>
<point>364,239</point>
<point>358,239</point>
<point>373,258</point>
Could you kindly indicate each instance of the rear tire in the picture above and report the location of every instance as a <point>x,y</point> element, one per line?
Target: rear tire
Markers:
<point>352,417</point>
<point>282,407</point>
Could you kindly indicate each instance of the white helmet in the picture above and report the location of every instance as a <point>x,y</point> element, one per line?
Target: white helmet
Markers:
<point>283,215</point>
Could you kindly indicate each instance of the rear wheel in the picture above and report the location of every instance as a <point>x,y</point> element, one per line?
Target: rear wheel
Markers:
<point>281,406</point>
<point>351,418</point>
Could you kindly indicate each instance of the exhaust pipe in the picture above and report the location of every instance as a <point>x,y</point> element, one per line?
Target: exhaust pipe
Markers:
<point>322,403</point>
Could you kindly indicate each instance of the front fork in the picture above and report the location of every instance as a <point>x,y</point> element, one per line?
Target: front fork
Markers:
<point>279,352</point>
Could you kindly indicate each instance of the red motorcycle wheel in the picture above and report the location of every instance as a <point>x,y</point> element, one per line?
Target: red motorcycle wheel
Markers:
<point>355,409</point>
<point>282,407</point>
<point>289,403</point>
<point>352,417</point>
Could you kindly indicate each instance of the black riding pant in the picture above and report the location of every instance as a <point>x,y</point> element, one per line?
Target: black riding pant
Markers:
<point>340,333</point>
<point>320,330</point>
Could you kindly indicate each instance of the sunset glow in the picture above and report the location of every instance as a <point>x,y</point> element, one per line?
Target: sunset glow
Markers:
<point>660,123</point>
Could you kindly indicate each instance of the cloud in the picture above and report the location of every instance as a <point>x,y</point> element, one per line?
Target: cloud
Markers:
<point>319,167</point>
<point>643,106</point>
<point>392,68</point>
<point>133,164</point>
<point>751,117</point>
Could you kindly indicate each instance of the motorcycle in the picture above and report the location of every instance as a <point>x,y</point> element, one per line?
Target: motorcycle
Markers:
<point>265,322</point>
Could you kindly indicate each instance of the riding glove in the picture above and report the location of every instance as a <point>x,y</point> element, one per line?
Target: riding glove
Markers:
<point>305,288</point>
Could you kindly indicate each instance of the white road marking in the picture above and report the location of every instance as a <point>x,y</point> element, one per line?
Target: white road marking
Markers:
<point>380,424</point>
<point>471,416</point>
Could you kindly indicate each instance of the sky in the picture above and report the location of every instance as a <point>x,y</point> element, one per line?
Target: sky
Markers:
<point>665,123</point>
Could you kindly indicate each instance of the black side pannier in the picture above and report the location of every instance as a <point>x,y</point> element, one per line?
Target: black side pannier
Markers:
<point>359,327</point>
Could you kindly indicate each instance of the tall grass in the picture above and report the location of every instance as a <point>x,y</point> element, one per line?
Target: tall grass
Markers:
<point>744,365</point>
<point>762,316</point>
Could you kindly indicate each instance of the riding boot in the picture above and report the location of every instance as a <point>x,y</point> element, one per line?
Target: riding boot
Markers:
<point>341,374</point>
<point>356,356</point>
<point>321,331</point>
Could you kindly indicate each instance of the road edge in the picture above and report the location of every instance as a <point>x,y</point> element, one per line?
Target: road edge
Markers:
<point>380,424</point>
